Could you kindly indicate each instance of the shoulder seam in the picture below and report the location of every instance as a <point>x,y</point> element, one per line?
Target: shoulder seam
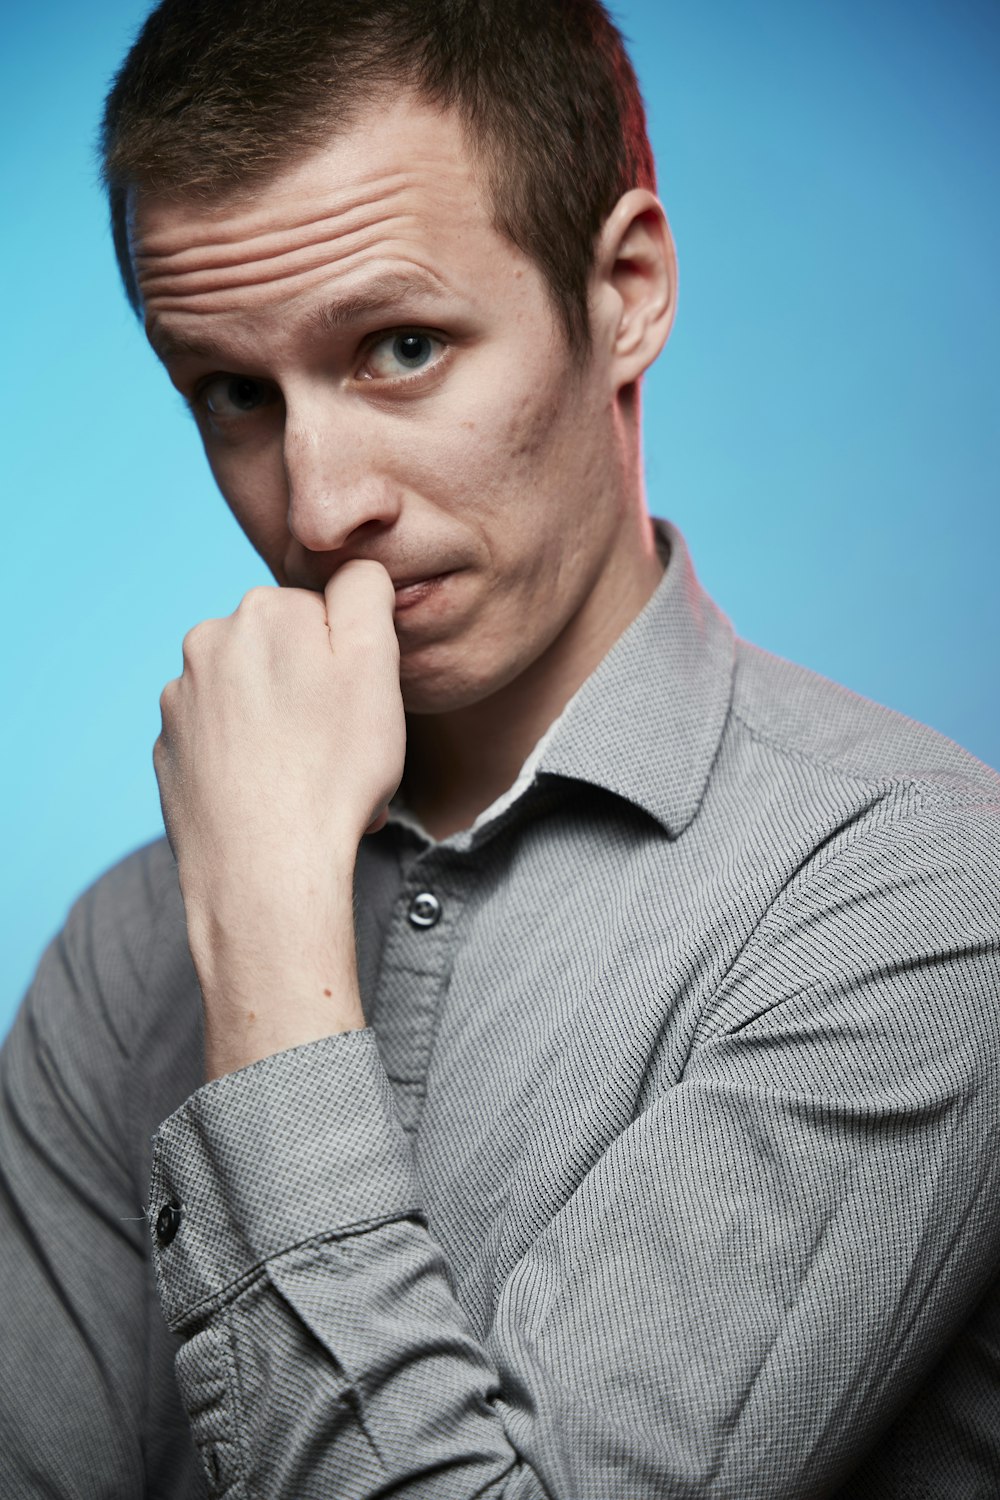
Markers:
<point>920,785</point>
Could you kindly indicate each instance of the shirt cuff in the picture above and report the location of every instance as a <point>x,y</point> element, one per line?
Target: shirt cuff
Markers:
<point>302,1145</point>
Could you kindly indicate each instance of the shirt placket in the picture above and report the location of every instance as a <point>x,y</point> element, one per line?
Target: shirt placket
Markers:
<point>418,954</point>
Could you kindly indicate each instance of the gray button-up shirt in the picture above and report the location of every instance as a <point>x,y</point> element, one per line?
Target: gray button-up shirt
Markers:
<point>666,1167</point>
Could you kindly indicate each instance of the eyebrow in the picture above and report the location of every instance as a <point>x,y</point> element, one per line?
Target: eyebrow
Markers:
<point>382,294</point>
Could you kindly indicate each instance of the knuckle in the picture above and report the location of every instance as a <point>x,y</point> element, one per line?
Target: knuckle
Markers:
<point>257,599</point>
<point>190,643</point>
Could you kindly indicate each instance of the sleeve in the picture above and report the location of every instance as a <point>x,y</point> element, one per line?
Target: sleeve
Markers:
<point>77,1375</point>
<point>735,1301</point>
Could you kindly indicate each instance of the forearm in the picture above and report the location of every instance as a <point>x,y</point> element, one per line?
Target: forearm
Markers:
<point>323,1342</point>
<point>275,973</point>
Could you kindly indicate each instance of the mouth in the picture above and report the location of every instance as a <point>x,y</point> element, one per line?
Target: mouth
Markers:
<point>413,591</point>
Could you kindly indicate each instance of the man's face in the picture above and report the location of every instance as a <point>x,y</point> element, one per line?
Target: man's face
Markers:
<point>376,372</point>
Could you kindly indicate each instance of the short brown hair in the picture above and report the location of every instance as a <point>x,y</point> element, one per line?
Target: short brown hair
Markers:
<point>217,94</point>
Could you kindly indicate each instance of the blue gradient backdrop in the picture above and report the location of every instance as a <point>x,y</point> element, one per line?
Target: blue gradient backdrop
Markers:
<point>824,425</point>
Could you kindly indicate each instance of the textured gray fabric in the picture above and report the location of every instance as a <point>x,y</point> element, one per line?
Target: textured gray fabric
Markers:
<point>667,1166</point>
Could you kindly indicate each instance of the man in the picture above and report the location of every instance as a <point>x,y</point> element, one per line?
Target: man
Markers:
<point>618,1118</point>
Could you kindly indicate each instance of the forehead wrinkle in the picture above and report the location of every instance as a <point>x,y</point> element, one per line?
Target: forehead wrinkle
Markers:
<point>291,267</point>
<point>252,238</point>
<point>241,299</point>
<point>193,262</point>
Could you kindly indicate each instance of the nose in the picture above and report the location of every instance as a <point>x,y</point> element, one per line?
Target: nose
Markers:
<point>336,473</point>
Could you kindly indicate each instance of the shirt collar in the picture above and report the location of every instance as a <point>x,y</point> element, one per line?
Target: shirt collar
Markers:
<point>647,722</point>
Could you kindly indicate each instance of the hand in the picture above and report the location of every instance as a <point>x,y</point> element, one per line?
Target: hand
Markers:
<point>282,743</point>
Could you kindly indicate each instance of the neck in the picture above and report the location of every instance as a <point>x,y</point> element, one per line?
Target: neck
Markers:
<point>459,762</point>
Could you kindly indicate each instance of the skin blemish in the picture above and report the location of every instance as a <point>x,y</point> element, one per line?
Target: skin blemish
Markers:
<point>328,994</point>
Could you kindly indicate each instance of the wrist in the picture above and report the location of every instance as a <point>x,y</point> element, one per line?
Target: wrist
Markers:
<point>275,972</point>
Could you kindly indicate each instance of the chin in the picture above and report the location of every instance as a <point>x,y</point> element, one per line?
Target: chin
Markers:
<point>447,687</point>
<point>440,696</point>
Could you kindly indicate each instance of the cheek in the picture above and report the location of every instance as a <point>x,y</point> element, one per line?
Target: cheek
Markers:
<point>505,453</point>
<point>252,481</point>
<point>558,487</point>
<point>533,495</point>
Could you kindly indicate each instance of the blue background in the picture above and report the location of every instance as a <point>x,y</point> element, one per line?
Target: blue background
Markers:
<point>823,426</point>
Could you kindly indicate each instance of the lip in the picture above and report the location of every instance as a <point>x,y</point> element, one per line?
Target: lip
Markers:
<point>413,591</point>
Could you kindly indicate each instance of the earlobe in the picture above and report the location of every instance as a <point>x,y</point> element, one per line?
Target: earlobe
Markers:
<point>638,265</point>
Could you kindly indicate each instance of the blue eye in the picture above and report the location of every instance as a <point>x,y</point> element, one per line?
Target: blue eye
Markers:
<point>399,353</point>
<point>412,349</point>
<point>234,395</point>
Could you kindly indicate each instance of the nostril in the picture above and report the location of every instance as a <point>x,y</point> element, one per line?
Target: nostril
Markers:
<point>323,518</point>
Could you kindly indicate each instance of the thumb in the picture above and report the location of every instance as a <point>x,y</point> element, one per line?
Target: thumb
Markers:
<point>358,595</point>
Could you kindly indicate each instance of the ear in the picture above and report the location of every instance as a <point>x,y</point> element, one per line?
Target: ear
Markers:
<point>634,292</point>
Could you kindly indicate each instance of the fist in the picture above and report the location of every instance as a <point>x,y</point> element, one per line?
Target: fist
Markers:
<point>282,742</point>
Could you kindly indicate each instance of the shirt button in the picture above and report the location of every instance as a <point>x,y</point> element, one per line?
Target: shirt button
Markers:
<point>167,1223</point>
<point>425,910</point>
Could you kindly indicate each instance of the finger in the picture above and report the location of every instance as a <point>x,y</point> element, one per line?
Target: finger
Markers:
<point>358,590</point>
